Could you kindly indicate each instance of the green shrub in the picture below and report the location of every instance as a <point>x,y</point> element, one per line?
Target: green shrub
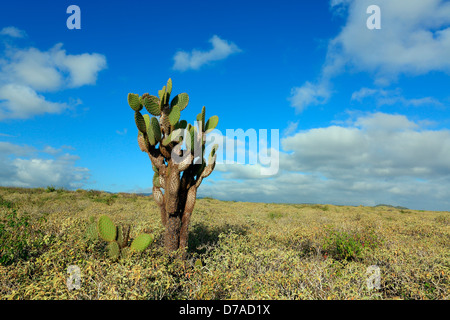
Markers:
<point>18,238</point>
<point>274,215</point>
<point>50,189</point>
<point>342,245</point>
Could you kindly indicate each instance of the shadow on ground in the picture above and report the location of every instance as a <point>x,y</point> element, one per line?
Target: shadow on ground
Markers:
<point>202,236</point>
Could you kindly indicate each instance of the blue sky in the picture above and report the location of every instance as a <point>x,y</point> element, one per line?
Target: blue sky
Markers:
<point>363,115</point>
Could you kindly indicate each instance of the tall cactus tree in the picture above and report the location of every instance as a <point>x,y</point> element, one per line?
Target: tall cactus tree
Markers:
<point>176,150</point>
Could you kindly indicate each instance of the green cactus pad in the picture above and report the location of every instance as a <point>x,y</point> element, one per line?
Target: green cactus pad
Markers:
<point>151,136</point>
<point>147,120</point>
<point>162,96</point>
<point>106,228</point>
<point>156,129</point>
<point>141,242</point>
<point>113,250</point>
<point>134,102</point>
<point>140,122</point>
<point>211,124</point>
<point>174,136</point>
<point>181,100</point>
<point>169,87</point>
<point>92,231</point>
<point>192,140</point>
<point>201,119</point>
<point>174,115</point>
<point>151,103</point>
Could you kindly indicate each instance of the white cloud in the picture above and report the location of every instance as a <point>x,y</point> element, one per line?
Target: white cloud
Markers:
<point>309,94</point>
<point>22,166</point>
<point>13,32</point>
<point>52,69</point>
<point>83,68</point>
<point>221,49</point>
<point>21,102</point>
<point>414,39</point>
<point>376,158</point>
<point>27,73</point>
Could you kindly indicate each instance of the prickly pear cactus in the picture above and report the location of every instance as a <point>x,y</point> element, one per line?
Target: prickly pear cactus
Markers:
<point>117,238</point>
<point>172,145</point>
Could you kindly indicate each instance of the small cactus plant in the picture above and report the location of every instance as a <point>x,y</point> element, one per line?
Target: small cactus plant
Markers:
<point>117,238</point>
<point>177,171</point>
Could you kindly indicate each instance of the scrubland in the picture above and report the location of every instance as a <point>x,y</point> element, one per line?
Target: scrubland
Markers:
<point>237,250</point>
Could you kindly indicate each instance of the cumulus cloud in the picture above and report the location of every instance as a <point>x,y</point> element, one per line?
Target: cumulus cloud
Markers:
<point>25,166</point>
<point>375,158</point>
<point>195,59</point>
<point>51,70</point>
<point>25,74</point>
<point>414,39</point>
<point>21,102</point>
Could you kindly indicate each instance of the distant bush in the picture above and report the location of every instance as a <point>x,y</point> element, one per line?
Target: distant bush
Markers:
<point>50,189</point>
<point>274,215</point>
<point>342,245</point>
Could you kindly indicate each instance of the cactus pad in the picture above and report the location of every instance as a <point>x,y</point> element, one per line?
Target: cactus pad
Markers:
<point>141,242</point>
<point>151,103</point>
<point>211,124</point>
<point>140,122</point>
<point>181,100</point>
<point>134,102</point>
<point>106,228</point>
<point>92,231</point>
<point>113,250</point>
<point>156,129</point>
<point>174,115</point>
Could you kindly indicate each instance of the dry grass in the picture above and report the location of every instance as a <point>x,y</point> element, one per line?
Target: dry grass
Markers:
<point>247,250</point>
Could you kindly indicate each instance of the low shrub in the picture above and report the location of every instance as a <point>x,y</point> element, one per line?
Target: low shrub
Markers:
<point>19,239</point>
<point>343,245</point>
